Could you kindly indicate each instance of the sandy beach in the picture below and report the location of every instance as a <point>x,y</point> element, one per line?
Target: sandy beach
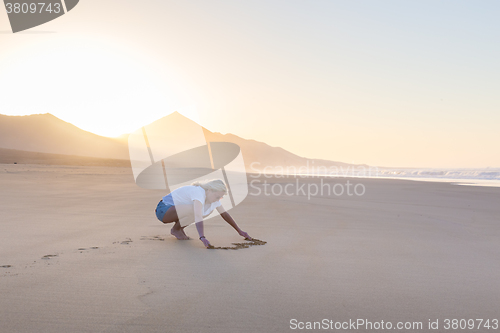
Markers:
<point>240,113</point>
<point>81,251</point>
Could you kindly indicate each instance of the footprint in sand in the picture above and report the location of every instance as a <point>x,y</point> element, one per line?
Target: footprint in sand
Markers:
<point>127,241</point>
<point>48,256</point>
<point>152,238</point>
<point>90,248</point>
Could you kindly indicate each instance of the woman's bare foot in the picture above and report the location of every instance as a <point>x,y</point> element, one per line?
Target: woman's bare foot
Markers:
<point>178,233</point>
<point>182,230</point>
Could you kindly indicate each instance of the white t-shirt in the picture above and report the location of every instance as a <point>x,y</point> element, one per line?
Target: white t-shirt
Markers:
<point>186,194</point>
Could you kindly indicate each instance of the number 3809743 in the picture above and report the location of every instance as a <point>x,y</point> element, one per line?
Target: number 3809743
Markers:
<point>33,8</point>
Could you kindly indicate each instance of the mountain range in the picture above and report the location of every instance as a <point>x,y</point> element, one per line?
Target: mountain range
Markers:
<point>44,138</point>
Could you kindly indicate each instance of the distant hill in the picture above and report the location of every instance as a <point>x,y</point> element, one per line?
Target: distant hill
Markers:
<point>265,155</point>
<point>45,133</point>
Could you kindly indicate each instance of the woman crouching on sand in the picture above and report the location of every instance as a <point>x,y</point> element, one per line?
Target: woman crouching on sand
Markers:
<point>192,203</point>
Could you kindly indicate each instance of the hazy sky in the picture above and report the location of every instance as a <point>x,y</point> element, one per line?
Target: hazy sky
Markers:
<point>388,83</point>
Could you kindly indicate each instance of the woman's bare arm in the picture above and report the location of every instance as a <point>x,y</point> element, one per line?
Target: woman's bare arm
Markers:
<point>198,218</point>
<point>229,219</point>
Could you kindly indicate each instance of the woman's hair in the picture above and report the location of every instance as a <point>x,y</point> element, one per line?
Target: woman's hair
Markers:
<point>215,185</point>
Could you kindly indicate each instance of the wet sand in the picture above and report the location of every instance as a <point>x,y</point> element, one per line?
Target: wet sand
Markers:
<point>81,251</point>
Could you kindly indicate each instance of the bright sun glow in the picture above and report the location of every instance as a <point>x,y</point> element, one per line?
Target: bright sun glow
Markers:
<point>96,86</point>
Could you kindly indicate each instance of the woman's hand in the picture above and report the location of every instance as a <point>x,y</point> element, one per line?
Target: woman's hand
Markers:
<point>205,242</point>
<point>244,234</point>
